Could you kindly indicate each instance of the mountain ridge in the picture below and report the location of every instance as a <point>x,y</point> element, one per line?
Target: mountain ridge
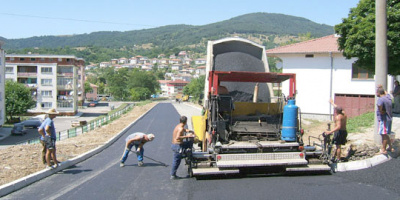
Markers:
<point>170,36</point>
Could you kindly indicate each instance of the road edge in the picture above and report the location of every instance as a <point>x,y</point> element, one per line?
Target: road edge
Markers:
<point>27,180</point>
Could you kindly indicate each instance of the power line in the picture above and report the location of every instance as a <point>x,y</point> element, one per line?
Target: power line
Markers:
<point>78,20</point>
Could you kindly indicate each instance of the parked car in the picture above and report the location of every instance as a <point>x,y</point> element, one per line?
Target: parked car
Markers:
<point>34,122</point>
<point>18,129</point>
<point>92,104</point>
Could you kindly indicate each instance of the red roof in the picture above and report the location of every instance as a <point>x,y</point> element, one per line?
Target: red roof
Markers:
<point>177,82</point>
<point>164,81</point>
<point>320,45</point>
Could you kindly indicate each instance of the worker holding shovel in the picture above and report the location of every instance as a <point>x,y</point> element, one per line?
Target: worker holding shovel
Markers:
<point>137,139</point>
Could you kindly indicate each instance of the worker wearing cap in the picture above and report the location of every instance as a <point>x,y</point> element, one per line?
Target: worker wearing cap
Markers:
<point>340,132</point>
<point>137,139</point>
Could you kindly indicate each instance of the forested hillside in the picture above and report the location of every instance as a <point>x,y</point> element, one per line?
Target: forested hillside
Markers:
<point>101,46</point>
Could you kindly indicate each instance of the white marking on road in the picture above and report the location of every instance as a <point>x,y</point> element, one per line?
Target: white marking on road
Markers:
<point>77,183</point>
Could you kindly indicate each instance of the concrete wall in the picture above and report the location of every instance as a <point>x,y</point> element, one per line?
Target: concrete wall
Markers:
<point>313,78</point>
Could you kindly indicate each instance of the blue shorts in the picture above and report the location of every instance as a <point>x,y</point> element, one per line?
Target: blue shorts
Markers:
<point>385,127</point>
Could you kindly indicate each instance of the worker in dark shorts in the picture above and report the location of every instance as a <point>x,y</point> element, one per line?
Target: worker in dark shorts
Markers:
<point>48,137</point>
<point>137,139</point>
<point>340,132</point>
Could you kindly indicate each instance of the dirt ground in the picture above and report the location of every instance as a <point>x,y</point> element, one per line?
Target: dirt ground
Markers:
<point>21,160</point>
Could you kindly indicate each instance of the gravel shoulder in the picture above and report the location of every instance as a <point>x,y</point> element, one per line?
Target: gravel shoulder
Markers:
<point>18,161</point>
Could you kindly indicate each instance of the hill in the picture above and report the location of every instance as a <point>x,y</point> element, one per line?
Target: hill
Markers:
<point>172,38</point>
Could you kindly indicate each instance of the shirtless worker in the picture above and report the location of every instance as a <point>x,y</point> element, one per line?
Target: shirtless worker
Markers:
<point>177,142</point>
<point>340,132</point>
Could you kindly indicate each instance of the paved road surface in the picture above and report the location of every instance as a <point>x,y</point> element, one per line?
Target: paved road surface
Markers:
<point>100,177</point>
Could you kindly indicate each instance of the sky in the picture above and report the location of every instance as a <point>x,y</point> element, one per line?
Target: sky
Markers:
<point>28,18</point>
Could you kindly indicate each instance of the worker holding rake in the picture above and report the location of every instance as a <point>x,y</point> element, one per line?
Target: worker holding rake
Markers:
<point>137,139</point>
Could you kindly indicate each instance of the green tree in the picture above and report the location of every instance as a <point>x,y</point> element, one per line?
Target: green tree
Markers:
<point>139,93</point>
<point>195,88</point>
<point>142,79</point>
<point>87,87</point>
<point>117,84</point>
<point>357,35</point>
<point>18,99</point>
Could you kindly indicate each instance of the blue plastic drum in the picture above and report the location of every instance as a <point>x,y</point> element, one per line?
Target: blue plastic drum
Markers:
<point>289,124</point>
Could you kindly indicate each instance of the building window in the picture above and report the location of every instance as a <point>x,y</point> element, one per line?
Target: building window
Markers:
<point>65,82</point>
<point>309,55</point>
<point>359,73</point>
<point>46,70</point>
<point>46,82</point>
<point>42,59</point>
<point>60,59</point>
<point>65,104</point>
<point>12,58</point>
<point>47,93</point>
<point>33,59</point>
<point>21,59</point>
<point>47,105</point>
<point>9,70</point>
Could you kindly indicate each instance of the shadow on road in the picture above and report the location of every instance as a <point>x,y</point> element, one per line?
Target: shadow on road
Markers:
<point>74,170</point>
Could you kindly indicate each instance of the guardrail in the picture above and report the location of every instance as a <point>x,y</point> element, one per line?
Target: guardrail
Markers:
<point>73,132</point>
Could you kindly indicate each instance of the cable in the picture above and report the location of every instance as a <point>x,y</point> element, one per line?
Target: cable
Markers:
<point>79,20</point>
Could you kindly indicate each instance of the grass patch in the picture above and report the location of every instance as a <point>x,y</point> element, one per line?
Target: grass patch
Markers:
<point>142,103</point>
<point>360,123</point>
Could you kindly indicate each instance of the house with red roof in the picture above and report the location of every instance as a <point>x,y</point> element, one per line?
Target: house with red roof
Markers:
<point>170,88</point>
<point>323,73</point>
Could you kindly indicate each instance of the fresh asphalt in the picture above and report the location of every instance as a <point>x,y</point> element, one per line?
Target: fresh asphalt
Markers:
<point>100,176</point>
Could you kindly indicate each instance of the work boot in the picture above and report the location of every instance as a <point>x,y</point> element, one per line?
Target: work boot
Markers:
<point>174,177</point>
<point>140,163</point>
<point>122,165</point>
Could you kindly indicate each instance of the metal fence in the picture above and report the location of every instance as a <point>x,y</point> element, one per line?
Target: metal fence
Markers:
<point>96,123</point>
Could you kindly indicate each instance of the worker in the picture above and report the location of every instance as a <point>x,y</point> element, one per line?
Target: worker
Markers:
<point>177,144</point>
<point>137,139</point>
<point>340,132</point>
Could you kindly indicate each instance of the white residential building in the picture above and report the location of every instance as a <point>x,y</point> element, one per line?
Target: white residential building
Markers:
<point>53,80</point>
<point>2,88</point>
<point>105,64</point>
<point>200,61</point>
<point>170,88</point>
<point>176,67</point>
<point>201,70</point>
<point>323,73</point>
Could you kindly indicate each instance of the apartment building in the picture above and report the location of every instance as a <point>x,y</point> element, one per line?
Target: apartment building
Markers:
<point>2,88</point>
<point>54,80</point>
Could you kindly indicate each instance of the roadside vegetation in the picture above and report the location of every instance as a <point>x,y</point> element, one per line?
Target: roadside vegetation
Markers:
<point>358,124</point>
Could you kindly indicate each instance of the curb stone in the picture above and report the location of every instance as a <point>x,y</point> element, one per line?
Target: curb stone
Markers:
<point>27,180</point>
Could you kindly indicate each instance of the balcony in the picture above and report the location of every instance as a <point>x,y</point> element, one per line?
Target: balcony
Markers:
<point>27,74</point>
<point>65,104</point>
<point>31,85</point>
<point>65,74</point>
<point>65,87</point>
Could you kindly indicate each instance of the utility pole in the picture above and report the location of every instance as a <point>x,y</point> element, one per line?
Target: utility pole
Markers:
<point>381,53</point>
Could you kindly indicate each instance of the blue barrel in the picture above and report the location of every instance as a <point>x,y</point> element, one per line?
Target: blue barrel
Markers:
<point>289,124</point>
